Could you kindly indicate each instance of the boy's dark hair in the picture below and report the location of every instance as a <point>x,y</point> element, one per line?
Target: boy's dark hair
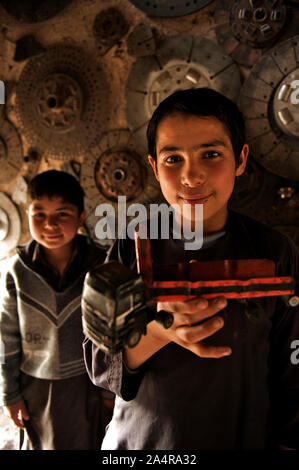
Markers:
<point>57,183</point>
<point>201,102</point>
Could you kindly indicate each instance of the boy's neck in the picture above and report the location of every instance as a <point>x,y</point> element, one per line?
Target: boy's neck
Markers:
<point>59,258</point>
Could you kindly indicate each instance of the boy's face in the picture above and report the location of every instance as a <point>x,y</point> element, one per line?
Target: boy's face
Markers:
<point>54,222</point>
<point>196,165</point>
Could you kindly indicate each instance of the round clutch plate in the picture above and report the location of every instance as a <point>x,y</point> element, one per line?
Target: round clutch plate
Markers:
<point>179,62</point>
<point>33,11</point>
<point>269,100</point>
<point>61,101</point>
<point>11,154</point>
<point>169,8</point>
<point>246,28</point>
<point>10,225</point>
<point>116,167</point>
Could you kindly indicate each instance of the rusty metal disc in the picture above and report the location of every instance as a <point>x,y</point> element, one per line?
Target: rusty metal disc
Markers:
<point>169,8</point>
<point>11,153</point>
<point>33,11</point>
<point>10,225</point>
<point>180,62</point>
<point>62,101</point>
<point>265,100</point>
<point>116,166</point>
<point>109,27</point>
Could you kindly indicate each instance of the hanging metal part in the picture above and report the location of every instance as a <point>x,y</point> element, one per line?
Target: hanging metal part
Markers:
<point>180,62</point>
<point>108,28</point>
<point>119,173</point>
<point>286,104</point>
<point>62,101</point>
<point>10,225</point>
<point>246,28</point>
<point>116,167</point>
<point>261,99</point>
<point>33,11</point>
<point>11,153</point>
<point>170,8</point>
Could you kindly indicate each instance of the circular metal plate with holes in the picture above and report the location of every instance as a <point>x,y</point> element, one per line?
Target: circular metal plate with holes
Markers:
<point>170,8</point>
<point>140,41</point>
<point>269,106</point>
<point>116,167</point>
<point>246,28</point>
<point>108,28</point>
<point>180,62</point>
<point>11,154</point>
<point>10,225</point>
<point>33,11</point>
<point>62,101</point>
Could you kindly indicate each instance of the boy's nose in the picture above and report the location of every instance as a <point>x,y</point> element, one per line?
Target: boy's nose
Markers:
<point>51,221</point>
<point>193,175</point>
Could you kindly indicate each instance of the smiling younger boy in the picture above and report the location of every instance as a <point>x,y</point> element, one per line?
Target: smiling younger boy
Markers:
<point>44,386</point>
<point>216,379</point>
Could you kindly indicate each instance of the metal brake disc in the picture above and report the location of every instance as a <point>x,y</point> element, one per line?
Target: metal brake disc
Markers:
<point>33,11</point>
<point>62,101</point>
<point>170,8</point>
<point>116,167</point>
<point>180,62</point>
<point>245,28</point>
<point>10,225</point>
<point>269,99</point>
<point>11,153</point>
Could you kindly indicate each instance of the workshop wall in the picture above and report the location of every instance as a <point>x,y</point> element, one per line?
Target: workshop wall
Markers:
<point>83,77</point>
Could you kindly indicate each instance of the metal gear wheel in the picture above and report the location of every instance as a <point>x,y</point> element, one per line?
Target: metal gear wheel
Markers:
<point>270,107</point>
<point>108,28</point>
<point>115,168</point>
<point>180,62</point>
<point>61,101</point>
<point>10,225</point>
<point>170,8</point>
<point>246,28</point>
<point>11,153</point>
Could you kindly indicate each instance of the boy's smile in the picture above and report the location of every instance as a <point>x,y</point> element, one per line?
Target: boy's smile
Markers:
<point>54,222</point>
<point>196,165</point>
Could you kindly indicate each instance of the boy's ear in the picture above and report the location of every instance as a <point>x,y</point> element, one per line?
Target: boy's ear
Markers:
<point>242,160</point>
<point>153,165</point>
<point>82,218</point>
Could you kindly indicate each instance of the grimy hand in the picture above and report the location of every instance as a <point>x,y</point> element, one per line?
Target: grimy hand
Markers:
<point>186,330</point>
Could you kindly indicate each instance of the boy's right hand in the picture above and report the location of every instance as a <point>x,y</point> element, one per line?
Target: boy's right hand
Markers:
<point>192,325</point>
<point>185,330</point>
<point>17,413</point>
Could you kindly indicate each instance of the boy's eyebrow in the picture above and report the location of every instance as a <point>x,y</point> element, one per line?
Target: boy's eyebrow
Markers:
<point>39,208</point>
<point>213,143</point>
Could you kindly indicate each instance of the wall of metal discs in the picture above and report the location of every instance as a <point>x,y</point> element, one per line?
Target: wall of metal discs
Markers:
<point>82,78</point>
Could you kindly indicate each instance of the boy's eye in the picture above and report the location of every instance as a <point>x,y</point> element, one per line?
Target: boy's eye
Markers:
<point>211,154</point>
<point>173,159</point>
